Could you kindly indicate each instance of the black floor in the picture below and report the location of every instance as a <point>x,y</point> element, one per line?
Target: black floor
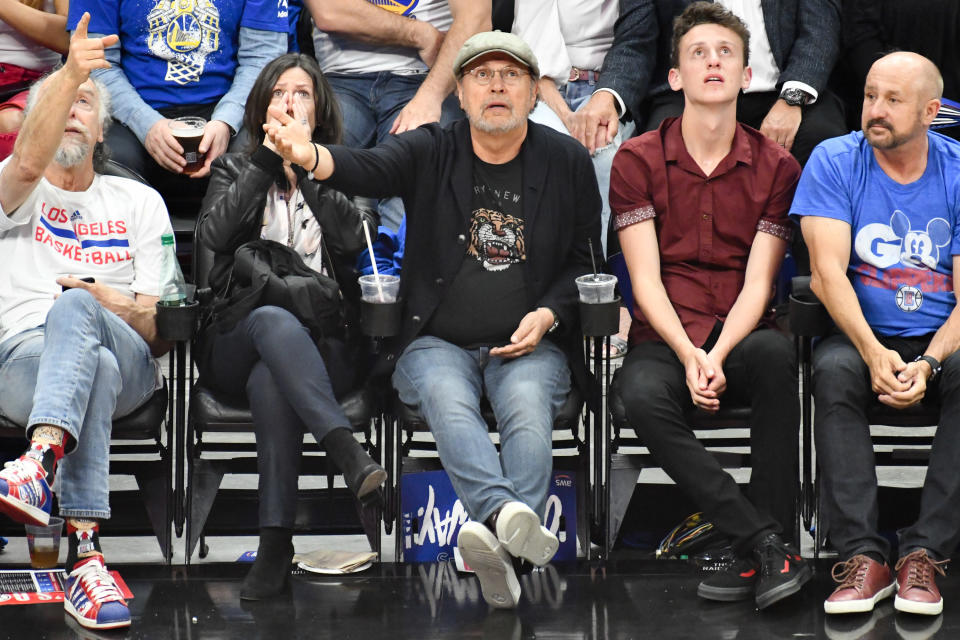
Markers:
<point>630,599</point>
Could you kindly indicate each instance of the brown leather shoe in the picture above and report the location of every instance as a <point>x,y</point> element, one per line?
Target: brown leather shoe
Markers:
<point>916,585</point>
<point>863,582</point>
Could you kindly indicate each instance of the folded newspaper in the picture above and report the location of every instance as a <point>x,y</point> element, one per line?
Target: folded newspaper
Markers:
<point>335,562</point>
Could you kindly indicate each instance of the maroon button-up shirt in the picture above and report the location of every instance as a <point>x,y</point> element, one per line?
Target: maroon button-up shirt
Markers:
<point>705,225</point>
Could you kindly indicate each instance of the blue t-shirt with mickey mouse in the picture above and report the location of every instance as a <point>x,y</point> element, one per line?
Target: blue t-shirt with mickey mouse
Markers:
<point>904,236</point>
<point>180,51</point>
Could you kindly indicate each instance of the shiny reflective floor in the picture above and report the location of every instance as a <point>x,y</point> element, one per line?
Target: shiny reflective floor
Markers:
<point>627,599</point>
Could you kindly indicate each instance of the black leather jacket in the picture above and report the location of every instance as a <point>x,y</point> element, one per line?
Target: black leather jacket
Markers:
<point>232,214</point>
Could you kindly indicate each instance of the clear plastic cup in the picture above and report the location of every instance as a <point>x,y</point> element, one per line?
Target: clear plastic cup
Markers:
<point>596,288</point>
<point>380,288</point>
<point>43,542</point>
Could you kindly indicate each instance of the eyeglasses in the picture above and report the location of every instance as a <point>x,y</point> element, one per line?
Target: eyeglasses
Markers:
<point>510,75</point>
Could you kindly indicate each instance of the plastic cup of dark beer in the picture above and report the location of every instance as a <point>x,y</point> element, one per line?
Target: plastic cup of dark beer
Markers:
<point>189,132</point>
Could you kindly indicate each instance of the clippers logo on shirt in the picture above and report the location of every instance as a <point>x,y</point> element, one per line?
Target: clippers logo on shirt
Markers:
<point>496,239</point>
<point>882,247</point>
<point>399,7</point>
<point>67,234</point>
<point>184,33</point>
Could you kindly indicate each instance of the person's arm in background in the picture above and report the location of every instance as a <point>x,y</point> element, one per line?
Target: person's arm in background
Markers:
<point>812,57</point>
<point>48,29</point>
<point>469,17</point>
<point>257,48</point>
<point>624,78</point>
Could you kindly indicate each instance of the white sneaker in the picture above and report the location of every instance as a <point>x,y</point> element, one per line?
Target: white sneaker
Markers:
<point>488,559</point>
<point>520,532</point>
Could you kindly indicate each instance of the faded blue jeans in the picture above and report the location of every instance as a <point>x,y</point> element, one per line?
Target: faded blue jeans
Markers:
<point>78,371</point>
<point>577,94</point>
<point>446,384</point>
<point>369,103</point>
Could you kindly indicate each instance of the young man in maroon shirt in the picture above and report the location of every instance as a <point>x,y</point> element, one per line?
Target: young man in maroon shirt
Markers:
<point>701,207</point>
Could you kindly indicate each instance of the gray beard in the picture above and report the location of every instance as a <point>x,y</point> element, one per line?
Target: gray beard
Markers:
<point>70,155</point>
<point>481,125</point>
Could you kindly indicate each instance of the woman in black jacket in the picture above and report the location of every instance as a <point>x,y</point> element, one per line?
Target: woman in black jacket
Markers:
<point>269,355</point>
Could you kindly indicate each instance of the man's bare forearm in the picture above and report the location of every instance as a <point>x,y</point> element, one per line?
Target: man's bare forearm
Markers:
<point>469,17</point>
<point>365,22</point>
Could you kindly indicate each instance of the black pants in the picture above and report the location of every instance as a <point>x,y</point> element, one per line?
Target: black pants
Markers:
<point>182,194</point>
<point>761,371</point>
<point>821,120</point>
<point>270,357</point>
<point>848,479</point>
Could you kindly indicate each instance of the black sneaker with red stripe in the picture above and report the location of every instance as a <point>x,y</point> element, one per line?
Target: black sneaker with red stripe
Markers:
<point>782,571</point>
<point>737,582</point>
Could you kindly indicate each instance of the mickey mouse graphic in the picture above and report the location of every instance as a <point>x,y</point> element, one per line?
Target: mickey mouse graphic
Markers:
<point>920,249</point>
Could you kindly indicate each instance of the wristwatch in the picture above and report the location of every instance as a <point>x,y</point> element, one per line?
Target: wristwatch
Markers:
<point>796,97</point>
<point>935,366</point>
<point>556,320</point>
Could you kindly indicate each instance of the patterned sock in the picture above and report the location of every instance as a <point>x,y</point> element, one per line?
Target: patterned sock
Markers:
<point>83,538</point>
<point>48,455</point>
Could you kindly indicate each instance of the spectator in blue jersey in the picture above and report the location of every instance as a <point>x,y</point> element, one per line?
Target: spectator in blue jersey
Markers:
<point>880,211</point>
<point>185,58</point>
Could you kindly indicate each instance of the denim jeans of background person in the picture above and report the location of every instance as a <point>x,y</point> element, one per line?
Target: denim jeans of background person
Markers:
<point>389,64</point>
<point>880,212</point>
<point>502,213</point>
<point>74,360</point>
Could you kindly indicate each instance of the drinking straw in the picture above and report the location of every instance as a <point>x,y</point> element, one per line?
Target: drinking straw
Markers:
<point>373,261</point>
<point>593,259</point>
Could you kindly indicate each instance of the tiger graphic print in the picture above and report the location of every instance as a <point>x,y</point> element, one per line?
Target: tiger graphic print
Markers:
<point>496,239</point>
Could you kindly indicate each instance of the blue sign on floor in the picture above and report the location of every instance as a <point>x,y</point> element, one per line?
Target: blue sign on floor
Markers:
<point>432,515</point>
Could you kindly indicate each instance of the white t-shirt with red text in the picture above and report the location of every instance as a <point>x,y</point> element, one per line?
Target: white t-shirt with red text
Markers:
<point>110,232</point>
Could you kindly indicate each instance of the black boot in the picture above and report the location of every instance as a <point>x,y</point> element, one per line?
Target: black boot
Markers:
<point>361,473</point>
<point>271,570</point>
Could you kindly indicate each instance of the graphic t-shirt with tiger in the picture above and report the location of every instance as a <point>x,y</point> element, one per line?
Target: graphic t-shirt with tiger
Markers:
<point>488,297</point>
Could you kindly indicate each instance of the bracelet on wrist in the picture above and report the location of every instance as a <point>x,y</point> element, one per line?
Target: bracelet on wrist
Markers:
<point>316,157</point>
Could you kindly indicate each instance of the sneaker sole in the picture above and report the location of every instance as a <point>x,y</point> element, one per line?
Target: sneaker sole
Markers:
<point>864,605</point>
<point>784,590</point>
<point>92,624</point>
<point>919,608</point>
<point>721,594</point>
<point>21,512</point>
<point>524,537</point>
<point>498,581</point>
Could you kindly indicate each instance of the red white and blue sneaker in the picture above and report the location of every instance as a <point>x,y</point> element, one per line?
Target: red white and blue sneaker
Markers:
<point>24,493</point>
<point>93,598</point>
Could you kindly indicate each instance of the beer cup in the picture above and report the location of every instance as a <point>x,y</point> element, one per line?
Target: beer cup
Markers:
<point>189,132</point>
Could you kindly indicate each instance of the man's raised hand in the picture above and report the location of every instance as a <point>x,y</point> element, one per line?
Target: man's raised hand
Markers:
<point>87,54</point>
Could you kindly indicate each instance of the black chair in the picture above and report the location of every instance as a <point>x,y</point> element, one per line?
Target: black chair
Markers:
<point>211,510</point>
<point>570,453</point>
<point>137,434</point>
<point>624,467</point>
<point>900,447</point>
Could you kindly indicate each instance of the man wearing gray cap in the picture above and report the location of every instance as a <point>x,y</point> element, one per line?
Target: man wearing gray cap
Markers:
<point>499,214</point>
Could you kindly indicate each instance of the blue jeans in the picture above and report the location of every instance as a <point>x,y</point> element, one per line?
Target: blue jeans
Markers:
<point>80,370</point>
<point>369,103</point>
<point>577,94</point>
<point>446,384</point>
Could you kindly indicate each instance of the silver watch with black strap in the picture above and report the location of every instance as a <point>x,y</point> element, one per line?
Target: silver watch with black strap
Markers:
<point>796,97</point>
<point>935,366</point>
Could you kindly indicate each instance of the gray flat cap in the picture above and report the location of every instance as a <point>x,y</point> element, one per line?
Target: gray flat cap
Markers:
<point>489,41</point>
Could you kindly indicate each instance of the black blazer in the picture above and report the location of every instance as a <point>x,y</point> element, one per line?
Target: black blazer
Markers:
<point>431,168</point>
<point>804,37</point>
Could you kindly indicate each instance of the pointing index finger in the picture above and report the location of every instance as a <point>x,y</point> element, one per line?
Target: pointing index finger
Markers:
<point>80,33</point>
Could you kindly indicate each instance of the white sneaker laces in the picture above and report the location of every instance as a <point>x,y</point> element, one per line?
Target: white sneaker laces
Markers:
<point>19,471</point>
<point>97,582</point>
